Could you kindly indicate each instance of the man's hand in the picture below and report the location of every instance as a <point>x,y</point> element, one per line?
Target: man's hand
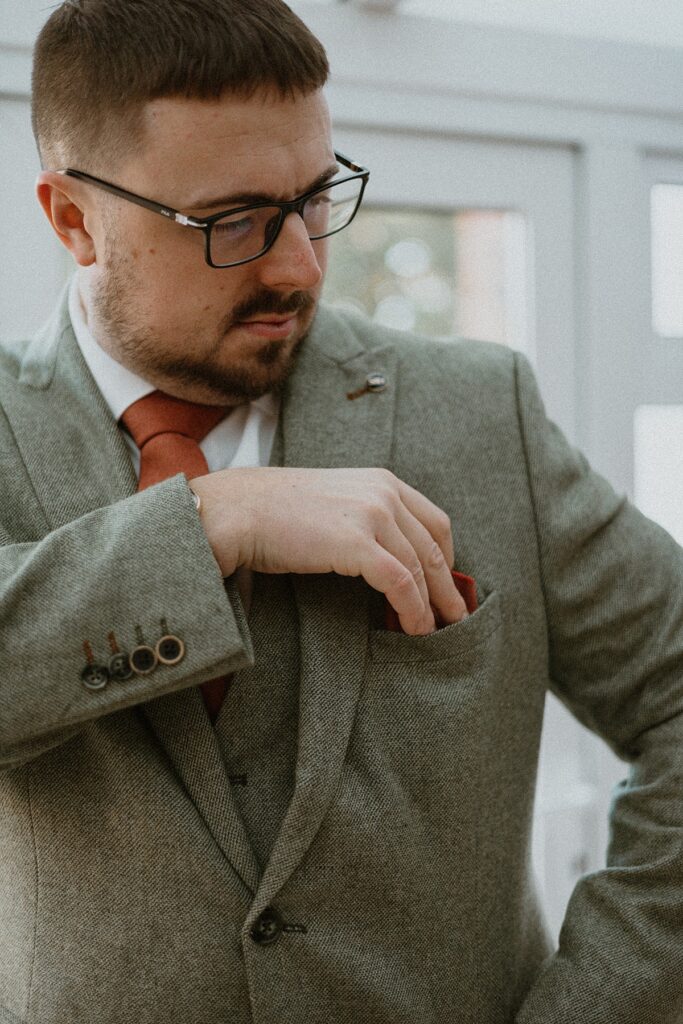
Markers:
<point>355,522</point>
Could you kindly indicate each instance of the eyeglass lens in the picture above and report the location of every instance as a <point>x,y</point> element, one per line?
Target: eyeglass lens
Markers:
<point>241,236</point>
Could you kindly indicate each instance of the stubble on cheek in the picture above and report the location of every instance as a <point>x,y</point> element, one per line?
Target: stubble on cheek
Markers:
<point>204,360</point>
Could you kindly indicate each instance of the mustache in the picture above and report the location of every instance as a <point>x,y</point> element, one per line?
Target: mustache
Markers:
<point>269,303</point>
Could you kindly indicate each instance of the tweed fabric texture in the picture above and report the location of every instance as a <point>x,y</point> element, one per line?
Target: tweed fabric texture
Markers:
<point>258,723</point>
<point>131,877</point>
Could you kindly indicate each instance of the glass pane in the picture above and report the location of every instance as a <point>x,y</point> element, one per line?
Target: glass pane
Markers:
<point>667,260</point>
<point>659,465</point>
<point>440,273</point>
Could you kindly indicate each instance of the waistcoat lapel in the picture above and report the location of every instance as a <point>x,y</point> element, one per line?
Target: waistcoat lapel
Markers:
<point>323,428</point>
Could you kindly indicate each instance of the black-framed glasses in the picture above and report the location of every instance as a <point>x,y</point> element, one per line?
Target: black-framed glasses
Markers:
<point>244,233</point>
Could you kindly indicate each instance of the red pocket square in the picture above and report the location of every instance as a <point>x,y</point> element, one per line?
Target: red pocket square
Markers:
<point>466,587</point>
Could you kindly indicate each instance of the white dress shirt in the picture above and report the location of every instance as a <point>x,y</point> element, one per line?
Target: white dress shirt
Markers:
<point>244,438</point>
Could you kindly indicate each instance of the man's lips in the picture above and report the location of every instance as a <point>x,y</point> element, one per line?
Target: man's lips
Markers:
<point>269,326</point>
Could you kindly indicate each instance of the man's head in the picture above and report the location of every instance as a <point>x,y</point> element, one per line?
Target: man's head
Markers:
<point>190,103</point>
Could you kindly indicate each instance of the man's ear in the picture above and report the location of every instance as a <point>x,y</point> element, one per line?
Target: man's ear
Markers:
<point>60,199</point>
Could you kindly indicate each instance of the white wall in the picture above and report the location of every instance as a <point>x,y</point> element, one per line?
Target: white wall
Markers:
<point>656,22</point>
<point>20,20</point>
<point>659,22</point>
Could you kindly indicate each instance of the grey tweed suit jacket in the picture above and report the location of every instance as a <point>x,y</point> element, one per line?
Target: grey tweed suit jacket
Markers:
<point>350,842</point>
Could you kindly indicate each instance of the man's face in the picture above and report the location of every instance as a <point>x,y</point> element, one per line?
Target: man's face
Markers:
<point>155,305</point>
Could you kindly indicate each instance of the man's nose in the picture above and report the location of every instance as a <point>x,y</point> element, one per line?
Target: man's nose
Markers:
<point>291,261</point>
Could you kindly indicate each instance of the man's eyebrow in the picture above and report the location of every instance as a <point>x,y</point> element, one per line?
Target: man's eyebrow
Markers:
<point>242,198</point>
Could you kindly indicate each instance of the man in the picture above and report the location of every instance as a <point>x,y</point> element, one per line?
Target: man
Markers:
<point>261,760</point>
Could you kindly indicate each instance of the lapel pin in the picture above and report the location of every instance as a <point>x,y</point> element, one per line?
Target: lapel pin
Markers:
<point>374,383</point>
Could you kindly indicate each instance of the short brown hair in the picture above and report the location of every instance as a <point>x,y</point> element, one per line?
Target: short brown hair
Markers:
<point>97,62</point>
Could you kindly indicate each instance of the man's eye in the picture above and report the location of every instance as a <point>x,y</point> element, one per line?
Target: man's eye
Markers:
<point>234,228</point>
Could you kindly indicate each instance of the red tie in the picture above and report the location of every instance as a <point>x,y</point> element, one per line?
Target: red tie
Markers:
<point>168,431</point>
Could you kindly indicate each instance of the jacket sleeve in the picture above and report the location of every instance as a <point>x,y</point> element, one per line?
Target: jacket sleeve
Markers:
<point>613,585</point>
<point>135,568</point>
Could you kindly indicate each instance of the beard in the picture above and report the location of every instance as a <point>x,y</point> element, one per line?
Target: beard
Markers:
<point>206,377</point>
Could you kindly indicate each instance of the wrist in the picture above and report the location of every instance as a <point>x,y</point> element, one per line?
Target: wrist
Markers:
<point>197,500</point>
<point>219,517</point>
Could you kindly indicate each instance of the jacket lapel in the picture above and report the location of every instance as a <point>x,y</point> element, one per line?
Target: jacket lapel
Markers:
<point>72,448</point>
<point>323,428</point>
<point>78,461</point>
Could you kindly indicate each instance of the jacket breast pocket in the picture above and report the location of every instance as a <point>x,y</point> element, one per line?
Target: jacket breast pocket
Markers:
<point>456,642</point>
<point>452,678</point>
<point>428,722</point>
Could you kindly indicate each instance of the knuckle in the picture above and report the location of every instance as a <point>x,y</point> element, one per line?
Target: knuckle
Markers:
<point>444,523</point>
<point>406,578</point>
<point>435,556</point>
<point>390,500</point>
<point>377,512</point>
<point>381,517</point>
<point>385,482</point>
<point>418,572</point>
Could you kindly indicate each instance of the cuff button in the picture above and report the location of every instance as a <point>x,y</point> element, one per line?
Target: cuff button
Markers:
<point>120,667</point>
<point>143,660</point>
<point>170,650</point>
<point>95,677</point>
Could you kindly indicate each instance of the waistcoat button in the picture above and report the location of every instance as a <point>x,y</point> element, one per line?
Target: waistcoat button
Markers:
<point>267,927</point>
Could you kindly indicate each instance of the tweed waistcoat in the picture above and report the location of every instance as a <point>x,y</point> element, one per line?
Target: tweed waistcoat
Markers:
<point>257,727</point>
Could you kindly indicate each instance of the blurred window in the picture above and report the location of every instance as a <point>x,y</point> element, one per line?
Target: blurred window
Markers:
<point>659,465</point>
<point>438,273</point>
<point>667,260</point>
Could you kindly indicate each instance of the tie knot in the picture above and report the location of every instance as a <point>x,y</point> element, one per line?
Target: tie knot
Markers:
<point>158,413</point>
